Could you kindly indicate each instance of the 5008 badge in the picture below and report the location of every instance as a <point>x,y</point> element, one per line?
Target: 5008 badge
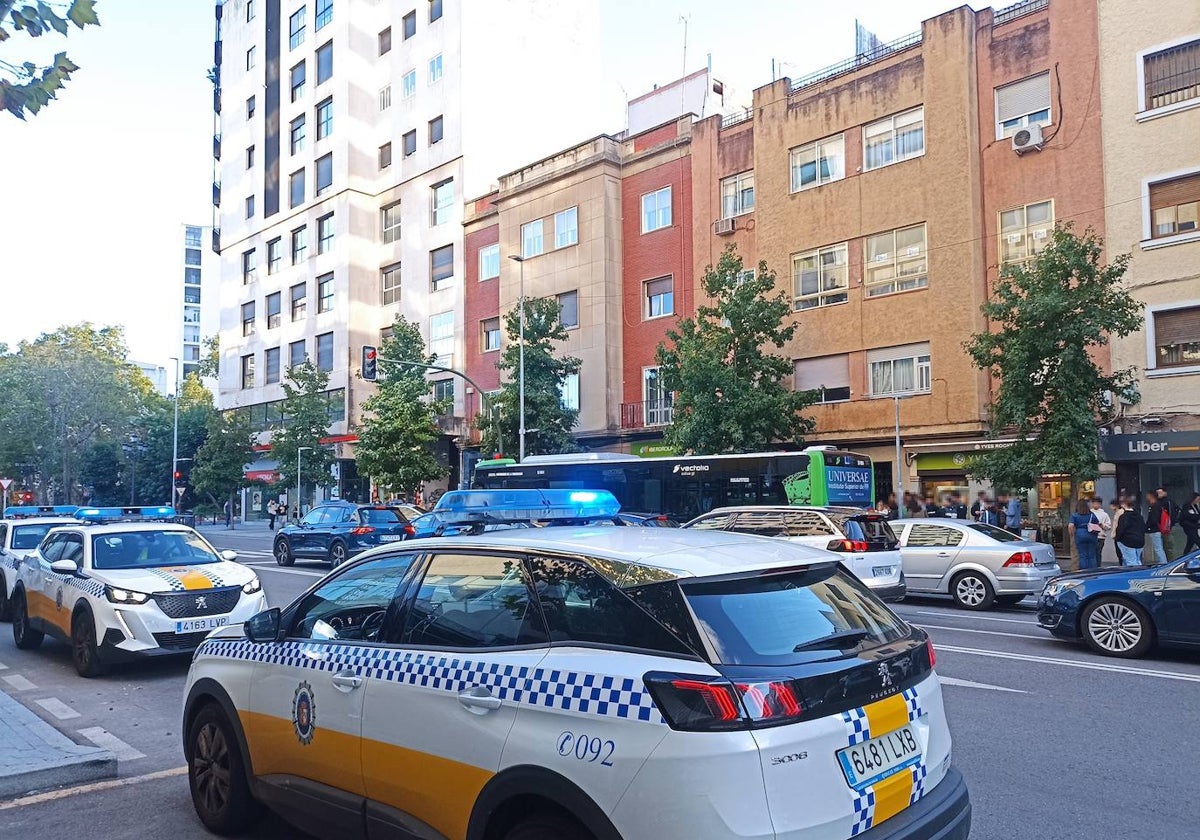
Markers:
<point>583,747</point>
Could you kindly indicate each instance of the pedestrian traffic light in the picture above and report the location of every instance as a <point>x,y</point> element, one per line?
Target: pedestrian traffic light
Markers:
<point>369,363</point>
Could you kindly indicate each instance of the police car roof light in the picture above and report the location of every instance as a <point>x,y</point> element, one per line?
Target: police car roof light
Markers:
<point>460,507</point>
<point>26,511</point>
<point>99,515</point>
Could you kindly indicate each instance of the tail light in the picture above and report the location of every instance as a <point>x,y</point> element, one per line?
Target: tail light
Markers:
<point>848,545</point>
<point>932,653</point>
<point>362,529</point>
<point>410,531</point>
<point>714,704</point>
<point>1021,558</point>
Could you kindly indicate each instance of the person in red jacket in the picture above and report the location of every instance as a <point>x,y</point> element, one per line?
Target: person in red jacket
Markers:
<point>1158,523</point>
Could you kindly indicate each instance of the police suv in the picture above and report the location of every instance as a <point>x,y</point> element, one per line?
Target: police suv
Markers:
<point>116,586</point>
<point>576,683</point>
<point>21,531</point>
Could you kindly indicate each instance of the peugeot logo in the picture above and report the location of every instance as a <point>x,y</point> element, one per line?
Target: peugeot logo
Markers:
<point>202,603</point>
<point>885,675</point>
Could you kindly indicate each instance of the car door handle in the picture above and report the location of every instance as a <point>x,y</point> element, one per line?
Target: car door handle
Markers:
<point>478,697</point>
<point>347,682</point>
<point>943,554</point>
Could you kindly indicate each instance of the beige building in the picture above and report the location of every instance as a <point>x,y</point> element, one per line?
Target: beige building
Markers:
<point>1150,87</point>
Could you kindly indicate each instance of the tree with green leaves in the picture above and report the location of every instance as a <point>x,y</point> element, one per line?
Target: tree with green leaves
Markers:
<point>1048,318</point>
<point>306,409</point>
<point>731,393</point>
<point>29,87</point>
<point>399,421</point>
<point>210,359</point>
<point>156,437</point>
<point>220,468</point>
<point>548,422</point>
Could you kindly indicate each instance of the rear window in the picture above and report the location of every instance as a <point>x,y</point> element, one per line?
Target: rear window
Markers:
<point>379,516</point>
<point>763,619</point>
<point>863,527</point>
<point>998,534</point>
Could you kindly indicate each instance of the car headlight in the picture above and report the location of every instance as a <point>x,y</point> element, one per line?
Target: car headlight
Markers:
<point>251,586</point>
<point>125,596</point>
<point>1057,587</point>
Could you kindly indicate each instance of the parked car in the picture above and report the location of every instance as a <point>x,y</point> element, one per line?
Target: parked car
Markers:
<point>977,565</point>
<point>337,531</point>
<point>645,520</point>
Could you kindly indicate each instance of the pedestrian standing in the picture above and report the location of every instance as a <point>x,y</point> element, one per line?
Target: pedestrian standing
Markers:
<point>228,514</point>
<point>931,508</point>
<point>1084,528</point>
<point>1173,511</point>
<point>1012,514</point>
<point>912,506</point>
<point>988,514</point>
<point>1129,533</point>
<point>1189,520</point>
<point>1158,522</point>
<point>957,510</point>
<point>1105,527</point>
<point>272,512</point>
<point>893,506</point>
<point>978,506</point>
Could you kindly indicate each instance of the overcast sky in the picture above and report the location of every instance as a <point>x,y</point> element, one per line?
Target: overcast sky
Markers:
<point>94,191</point>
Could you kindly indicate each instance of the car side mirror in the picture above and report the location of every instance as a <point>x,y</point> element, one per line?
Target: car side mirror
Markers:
<point>64,567</point>
<point>229,554</point>
<point>264,627</point>
<point>1192,567</point>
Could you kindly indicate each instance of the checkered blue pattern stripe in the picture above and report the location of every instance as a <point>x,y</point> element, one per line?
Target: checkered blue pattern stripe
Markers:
<point>914,704</point>
<point>858,728</point>
<point>919,772</point>
<point>864,812</point>
<point>549,688</point>
<point>172,582</point>
<point>92,587</point>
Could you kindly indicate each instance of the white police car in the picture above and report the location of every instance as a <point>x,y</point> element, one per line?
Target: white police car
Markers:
<point>21,532</point>
<point>576,683</point>
<point>126,589</point>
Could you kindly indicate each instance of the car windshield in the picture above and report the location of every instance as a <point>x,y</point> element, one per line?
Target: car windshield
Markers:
<point>147,549</point>
<point>998,534</point>
<point>28,537</point>
<point>780,619</point>
<point>379,516</point>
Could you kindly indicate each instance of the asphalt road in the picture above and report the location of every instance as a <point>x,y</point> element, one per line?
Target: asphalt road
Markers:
<point>1055,742</point>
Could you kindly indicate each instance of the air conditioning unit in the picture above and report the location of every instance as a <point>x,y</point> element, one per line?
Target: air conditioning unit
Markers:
<point>1027,139</point>
<point>724,227</point>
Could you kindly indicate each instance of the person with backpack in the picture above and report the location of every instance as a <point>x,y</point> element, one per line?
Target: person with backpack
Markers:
<point>1173,511</point>
<point>1129,533</point>
<point>1189,521</point>
<point>1158,523</point>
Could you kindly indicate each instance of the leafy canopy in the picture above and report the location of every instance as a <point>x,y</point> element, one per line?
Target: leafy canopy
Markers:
<point>221,461</point>
<point>731,394</point>
<point>1049,318</point>
<point>306,410</point>
<point>28,86</point>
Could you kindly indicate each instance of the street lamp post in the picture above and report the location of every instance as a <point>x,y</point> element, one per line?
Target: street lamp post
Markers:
<point>174,436</point>
<point>299,450</point>
<point>899,457</point>
<point>521,363</point>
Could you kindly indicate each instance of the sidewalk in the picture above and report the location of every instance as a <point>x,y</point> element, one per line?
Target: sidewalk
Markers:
<point>36,756</point>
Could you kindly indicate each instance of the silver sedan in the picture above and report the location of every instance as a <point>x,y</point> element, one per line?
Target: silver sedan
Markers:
<point>977,565</point>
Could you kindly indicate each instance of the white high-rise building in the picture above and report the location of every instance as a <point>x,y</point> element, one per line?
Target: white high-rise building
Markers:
<point>201,312</point>
<point>350,133</point>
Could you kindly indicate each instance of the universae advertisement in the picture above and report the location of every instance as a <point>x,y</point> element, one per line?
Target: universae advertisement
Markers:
<point>849,485</point>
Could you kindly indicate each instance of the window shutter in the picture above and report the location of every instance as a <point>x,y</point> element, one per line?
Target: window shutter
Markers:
<point>1174,192</point>
<point>1024,97</point>
<point>660,286</point>
<point>905,351</point>
<point>826,372</point>
<point>1179,326</point>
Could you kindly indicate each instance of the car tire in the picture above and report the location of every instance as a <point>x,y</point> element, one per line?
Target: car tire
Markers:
<point>283,553</point>
<point>1116,627</point>
<point>1009,600</point>
<point>24,636</point>
<point>972,591</point>
<point>548,825</point>
<point>85,653</point>
<point>5,601</point>
<point>337,554</point>
<point>217,776</point>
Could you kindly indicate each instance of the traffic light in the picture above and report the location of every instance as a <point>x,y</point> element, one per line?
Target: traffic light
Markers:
<point>178,475</point>
<point>27,497</point>
<point>369,363</point>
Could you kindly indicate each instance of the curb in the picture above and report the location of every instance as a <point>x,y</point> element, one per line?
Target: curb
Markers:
<point>35,756</point>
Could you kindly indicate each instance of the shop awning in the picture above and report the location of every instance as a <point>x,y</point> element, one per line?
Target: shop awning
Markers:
<point>264,470</point>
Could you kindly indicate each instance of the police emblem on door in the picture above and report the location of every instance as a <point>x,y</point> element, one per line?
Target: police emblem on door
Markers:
<point>304,713</point>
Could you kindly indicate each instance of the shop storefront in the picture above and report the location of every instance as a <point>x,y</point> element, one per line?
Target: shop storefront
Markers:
<point>1170,460</point>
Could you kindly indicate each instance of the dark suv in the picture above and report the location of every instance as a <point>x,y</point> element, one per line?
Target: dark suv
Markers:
<point>336,531</point>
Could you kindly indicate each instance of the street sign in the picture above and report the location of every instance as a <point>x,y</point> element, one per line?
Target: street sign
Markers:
<point>6,483</point>
<point>180,491</point>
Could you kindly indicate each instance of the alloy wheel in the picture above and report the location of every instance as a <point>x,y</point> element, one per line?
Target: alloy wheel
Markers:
<point>211,768</point>
<point>970,591</point>
<point>337,555</point>
<point>1115,627</point>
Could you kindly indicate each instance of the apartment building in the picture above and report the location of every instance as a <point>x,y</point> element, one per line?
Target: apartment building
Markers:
<point>201,288</point>
<point>1150,86</point>
<point>349,132</point>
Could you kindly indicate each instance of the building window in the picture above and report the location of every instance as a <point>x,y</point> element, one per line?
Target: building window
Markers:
<point>191,315</point>
<point>442,202</point>
<point>191,334</point>
<point>324,63</point>
<point>410,143</point>
<point>737,195</point>
<point>568,309</point>
<point>490,330</point>
<point>441,338</point>
<point>192,237</point>
<point>441,266</point>
<point>1171,75</point>
<point>1176,338</point>
<point>249,207</point>
<point>274,255</point>
<point>385,156</point>
<point>896,261</point>
<point>408,85</point>
<point>656,210</point>
<point>299,245</point>
<point>443,392</point>
<point>249,10</point>
<point>385,41</point>
<point>273,307</point>
<point>249,157</point>
<point>249,107</point>
<point>435,10</point>
<point>828,375</point>
<point>191,256</point>
<point>385,97</point>
<point>820,277</point>
<point>249,266</point>
<point>489,262</point>
<point>296,26</point>
<point>191,276</point>
<point>389,284</point>
<point>531,239</point>
<point>899,370</point>
<point>325,351</point>
<point>191,295</point>
<point>296,354</point>
<point>271,363</point>
<point>435,69</point>
<point>656,399</point>
<point>410,25</point>
<point>660,297</point>
<point>1022,104</point>
<point>248,371</point>
<point>248,318</point>
<point>1175,206</point>
<point>324,13</point>
<point>818,163</point>
<point>297,133</point>
<point>435,130</point>
<point>251,57</point>
<point>325,118</point>
<point>568,392</point>
<point>1025,231</point>
<point>566,227</point>
<point>299,296</point>
<point>324,173</point>
<point>296,188</point>
<point>325,234</point>
<point>390,221</point>
<point>894,139</point>
<point>298,79</point>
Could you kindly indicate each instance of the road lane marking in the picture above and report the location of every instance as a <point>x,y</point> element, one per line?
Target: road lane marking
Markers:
<point>18,683</point>
<point>282,571</point>
<point>57,708</point>
<point>104,739</point>
<point>1074,663</point>
<point>95,787</point>
<point>949,614</point>
<point>970,684</point>
<point>1045,638</point>
<point>3,667</point>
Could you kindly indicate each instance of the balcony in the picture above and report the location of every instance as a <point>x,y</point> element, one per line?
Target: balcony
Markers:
<point>647,414</point>
<point>216,194</point>
<point>217,146</point>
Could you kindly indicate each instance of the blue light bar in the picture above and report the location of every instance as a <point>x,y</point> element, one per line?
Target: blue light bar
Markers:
<point>26,511</point>
<point>461,507</point>
<point>152,513</point>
